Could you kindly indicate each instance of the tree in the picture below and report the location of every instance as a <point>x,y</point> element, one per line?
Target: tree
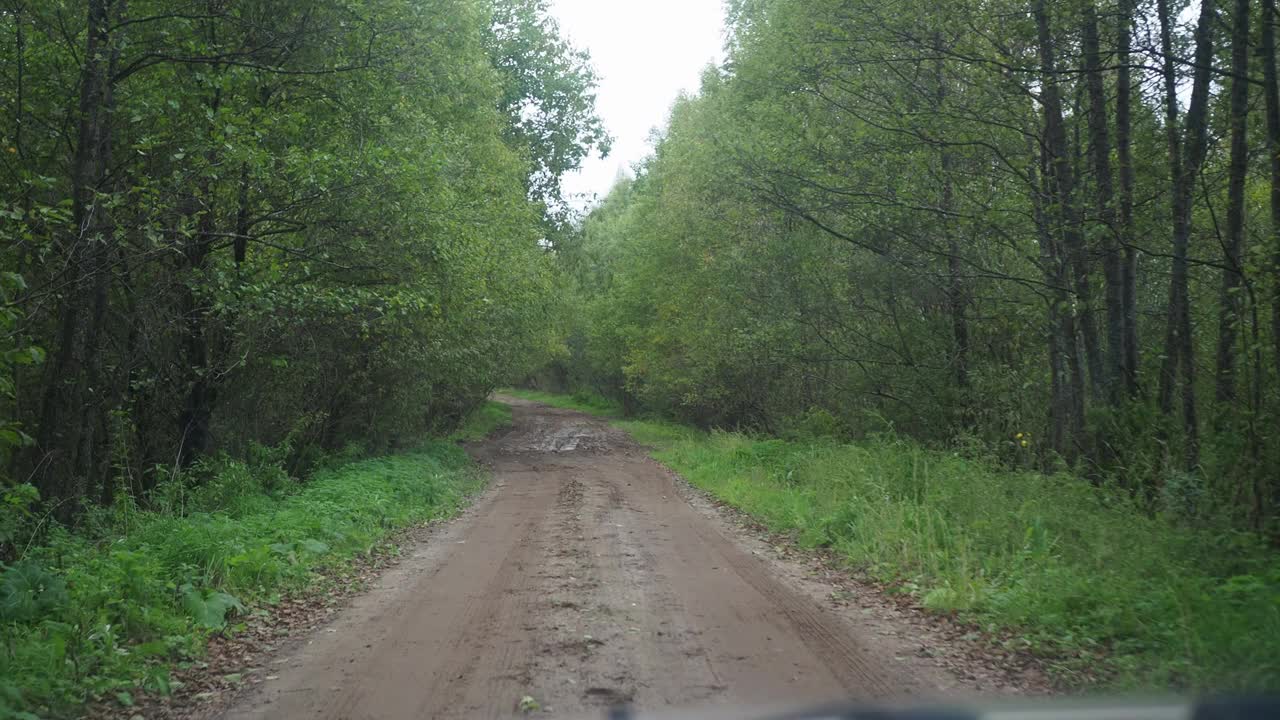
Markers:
<point>267,222</point>
<point>901,216</point>
<point>1230,301</point>
<point>547,94</point>
<point>1179,344</point>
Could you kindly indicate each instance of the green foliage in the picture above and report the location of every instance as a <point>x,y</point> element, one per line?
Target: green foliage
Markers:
<point>16,517</point>
<point>209,609</point>
<point>482,422</point>
<point>547,93</point>
<point>29,592</point>
<point>813,424</point>
<point>1078,573</point>
<point>845,232</point>
<point>105,610</point>
<point>324,227</point>
<point>16,352</point>
<point>581,400</point>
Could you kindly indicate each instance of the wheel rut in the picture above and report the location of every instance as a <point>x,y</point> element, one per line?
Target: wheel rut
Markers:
<point>582,578</point>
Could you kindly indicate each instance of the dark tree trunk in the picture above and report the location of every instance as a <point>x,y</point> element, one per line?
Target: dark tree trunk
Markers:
<point>1059,217</point>
<point>1066,400</point>
<point>1271,89</point>
<point>68,437</point>
<point>1063,199</point>
<point>957,297</point>
<point>1231,302</point>
<point>1124,159</point>
<point>1100,141</point>
<point>194,436</point>
<point>1178,341</point>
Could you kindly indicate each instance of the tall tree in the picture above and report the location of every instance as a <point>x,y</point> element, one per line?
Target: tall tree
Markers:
<point>267,222</point>
<point>1063,200</point>
<point>1271,93</point>
<point>1124,161</point>
<point>548,96</point>
<point>73,414</point>
<point>1112,261</point>
<point>955,281</point>
<point>1231,300</point>
<point>1185,158</point>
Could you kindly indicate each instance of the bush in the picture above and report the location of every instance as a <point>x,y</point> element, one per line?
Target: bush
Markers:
<point>813,424</point>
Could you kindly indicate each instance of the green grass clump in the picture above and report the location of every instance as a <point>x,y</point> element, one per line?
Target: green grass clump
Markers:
<point>1072,571</point>
<point>483,422</point>
<point>107,611</point>
<point>586,402</point>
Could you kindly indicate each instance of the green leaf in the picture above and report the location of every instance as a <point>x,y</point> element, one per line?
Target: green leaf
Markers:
<point>209,609</point>
<point>29,592</point>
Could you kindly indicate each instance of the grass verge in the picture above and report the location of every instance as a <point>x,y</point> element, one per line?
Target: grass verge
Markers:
<point>107,611</point>
<point>483,422</point>
<point>584,402</point>
<point>1050,564</point>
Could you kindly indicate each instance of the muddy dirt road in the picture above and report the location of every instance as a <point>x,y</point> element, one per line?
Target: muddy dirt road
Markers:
<point>586,575</point>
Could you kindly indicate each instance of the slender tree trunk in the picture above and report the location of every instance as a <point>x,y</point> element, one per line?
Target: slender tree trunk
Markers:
<point>1266,490</point>
<point>1100,141</point>
<point>1124,159</point>
<point>1178,341</point>
<point>1231,302</point>
<point>19,72</point>
<point>1173,136</point>
<point>241,245</point>
<point>1063,200</point>
<point>1059,212</point>
<point>67,438</point>
<point>1271,91</point>
<point>195,437</point>
<point>957,297</point>
<point>1066,400</point>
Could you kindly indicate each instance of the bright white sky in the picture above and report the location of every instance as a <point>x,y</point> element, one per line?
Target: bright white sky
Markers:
<point>646,52</point>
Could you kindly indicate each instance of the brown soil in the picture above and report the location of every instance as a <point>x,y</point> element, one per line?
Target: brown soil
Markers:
<point>585,576</point>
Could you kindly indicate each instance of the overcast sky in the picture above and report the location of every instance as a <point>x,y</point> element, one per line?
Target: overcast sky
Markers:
<point>646,52</point>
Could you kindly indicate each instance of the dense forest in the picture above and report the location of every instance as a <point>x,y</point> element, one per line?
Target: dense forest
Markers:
<point>984,295</point>
<point>230,225</point>
<point>1045,232</point>
<point>260,260</point>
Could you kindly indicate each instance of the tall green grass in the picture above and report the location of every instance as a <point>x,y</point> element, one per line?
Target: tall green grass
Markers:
<point>483,421</point>
<point>107,610</point>
<point>1074,572</point>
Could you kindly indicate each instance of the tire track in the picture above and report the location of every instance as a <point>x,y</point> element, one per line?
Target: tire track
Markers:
<point>582,578</point>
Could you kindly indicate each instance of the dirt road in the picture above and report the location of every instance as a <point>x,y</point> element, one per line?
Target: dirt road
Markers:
<point>585,576</point>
